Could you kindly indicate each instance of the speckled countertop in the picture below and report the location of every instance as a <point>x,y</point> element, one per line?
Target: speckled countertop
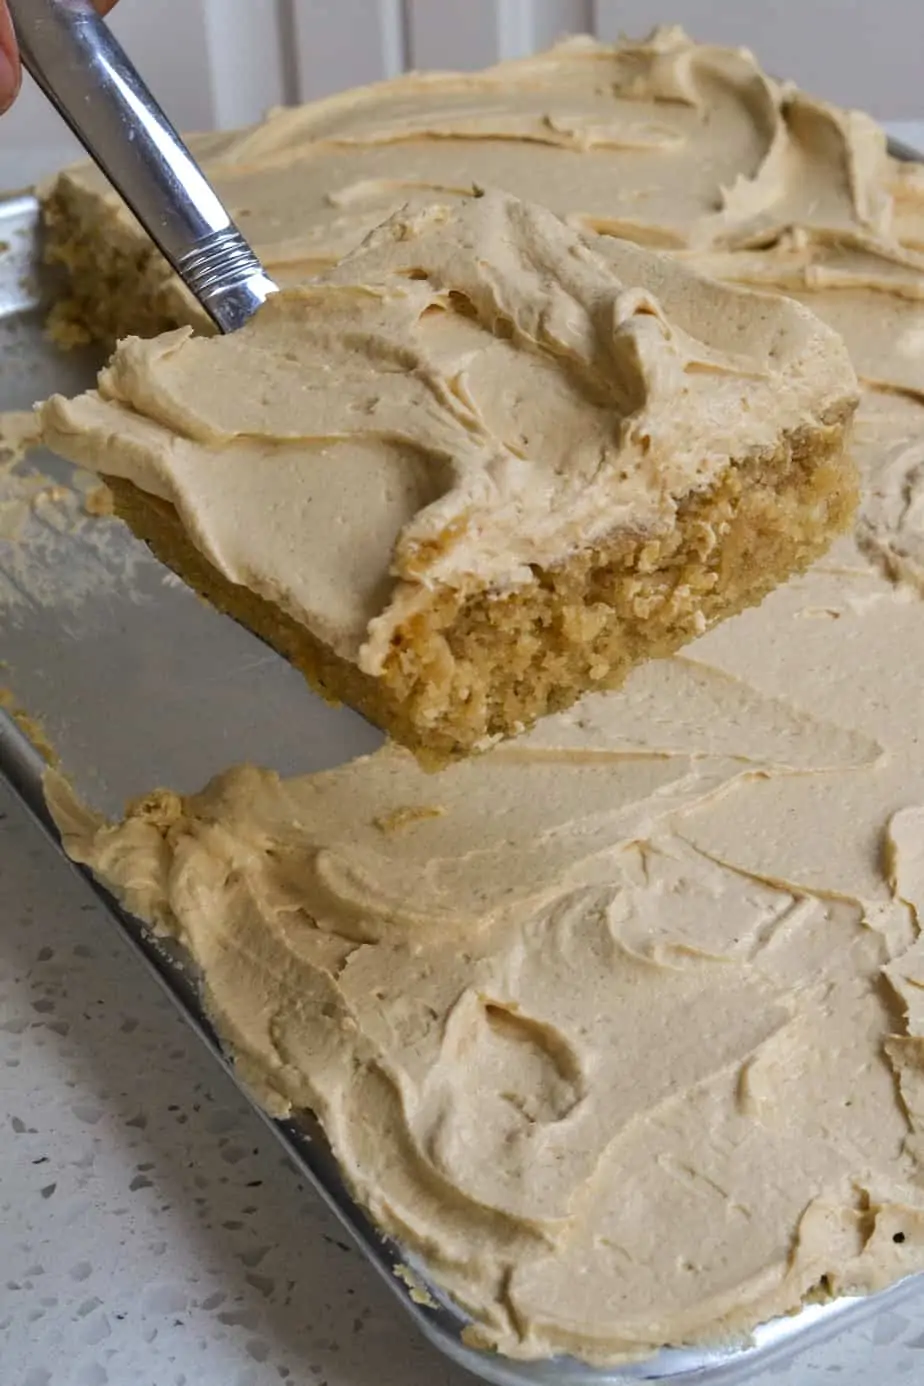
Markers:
<point>151,1231</point>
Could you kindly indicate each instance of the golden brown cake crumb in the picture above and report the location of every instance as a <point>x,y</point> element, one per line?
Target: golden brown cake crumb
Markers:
<point>99,501</point>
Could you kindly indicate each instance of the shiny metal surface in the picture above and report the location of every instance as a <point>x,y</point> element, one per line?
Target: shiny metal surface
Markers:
<point>84,71</point>
<point>138,683</point>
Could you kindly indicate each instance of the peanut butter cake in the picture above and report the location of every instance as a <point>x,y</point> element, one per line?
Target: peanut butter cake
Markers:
<point>619,1026</point>
<point>481,466</point>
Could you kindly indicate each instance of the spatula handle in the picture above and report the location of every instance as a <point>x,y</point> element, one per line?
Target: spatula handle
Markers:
<point>83,70</point>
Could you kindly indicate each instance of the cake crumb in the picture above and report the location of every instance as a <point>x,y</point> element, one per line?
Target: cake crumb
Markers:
<point>99,502</point>
<point>20,430</point>
<point>64,329</point>
<point>418,1293</point>
<point>161,807</point>
<point>30,726</point>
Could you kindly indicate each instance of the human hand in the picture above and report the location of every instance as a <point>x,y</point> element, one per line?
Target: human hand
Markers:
<point>10,71</point>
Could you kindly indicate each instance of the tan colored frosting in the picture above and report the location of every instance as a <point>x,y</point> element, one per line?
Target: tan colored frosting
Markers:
<point>474,391</point>
<point>596,1021</point>
<point>665,142</point>
<point>620,1025</point>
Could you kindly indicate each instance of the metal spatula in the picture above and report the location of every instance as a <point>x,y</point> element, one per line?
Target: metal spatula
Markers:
<point>84,71</point>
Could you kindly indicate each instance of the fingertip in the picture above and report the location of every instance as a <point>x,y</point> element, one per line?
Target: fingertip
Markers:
<point>10,71</point>
<point>10,79</point>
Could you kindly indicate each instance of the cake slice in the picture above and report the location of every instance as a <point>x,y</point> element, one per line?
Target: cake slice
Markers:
<point>481,466</point>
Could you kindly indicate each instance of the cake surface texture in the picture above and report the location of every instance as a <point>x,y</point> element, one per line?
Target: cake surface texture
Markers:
<point>617,1026</point>
<point>482,466</point>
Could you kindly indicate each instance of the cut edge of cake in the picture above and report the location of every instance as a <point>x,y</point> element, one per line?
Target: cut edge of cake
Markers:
<point>611,606</point>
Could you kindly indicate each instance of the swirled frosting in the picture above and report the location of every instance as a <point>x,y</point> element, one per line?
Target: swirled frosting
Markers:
<point>609,1024</point>
<point>619,1026</point>
<point>666,142</point>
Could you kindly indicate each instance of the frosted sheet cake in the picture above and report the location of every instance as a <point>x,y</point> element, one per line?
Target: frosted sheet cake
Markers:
<point>482,466</point>
<point>619,1025</point>
<point>668,143</point>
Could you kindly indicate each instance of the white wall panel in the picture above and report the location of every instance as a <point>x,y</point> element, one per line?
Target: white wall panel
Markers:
<point>244,65</point>
<point>222,62</point>
<point>466,36</point>
<point>553,19</point>
<point>343,43</point>
<point>866,53</point>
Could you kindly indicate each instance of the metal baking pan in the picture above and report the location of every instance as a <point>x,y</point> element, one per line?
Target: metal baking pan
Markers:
<point>136,683</point>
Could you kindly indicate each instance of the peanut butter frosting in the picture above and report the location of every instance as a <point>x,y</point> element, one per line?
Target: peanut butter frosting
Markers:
<point>475,391</point>
<point>665,142</point>
<point>618,1026</point>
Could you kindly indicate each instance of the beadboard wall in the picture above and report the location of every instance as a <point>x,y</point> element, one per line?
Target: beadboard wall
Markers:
<point>222,62</point>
